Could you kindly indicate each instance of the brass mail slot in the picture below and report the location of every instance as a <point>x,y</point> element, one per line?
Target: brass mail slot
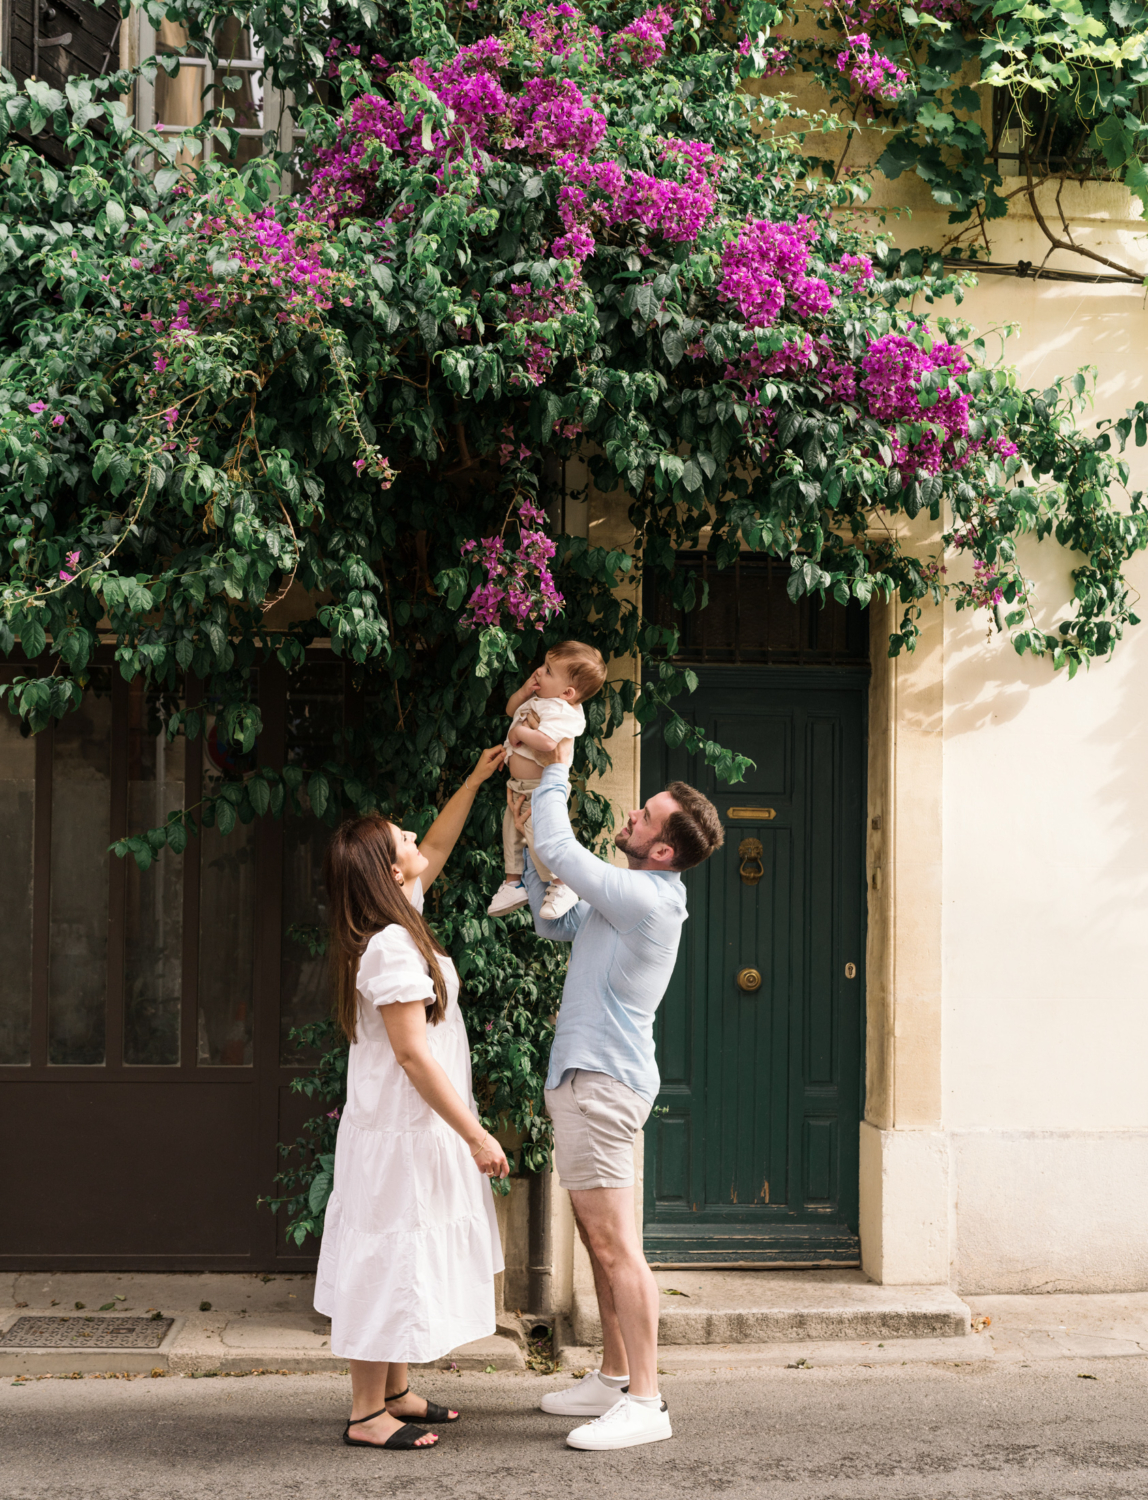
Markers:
<point>758,814</point>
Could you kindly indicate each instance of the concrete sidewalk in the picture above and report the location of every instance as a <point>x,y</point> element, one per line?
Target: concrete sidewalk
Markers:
<point>230,1323</point>
<point>240,1323</point>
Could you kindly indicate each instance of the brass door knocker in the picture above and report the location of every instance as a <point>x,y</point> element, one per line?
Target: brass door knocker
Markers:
<point>751,869</point>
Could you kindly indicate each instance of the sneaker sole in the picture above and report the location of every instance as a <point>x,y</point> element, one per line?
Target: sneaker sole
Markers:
<point>504,911</point>
<point>588,1412</point>
<point>630,1440</point>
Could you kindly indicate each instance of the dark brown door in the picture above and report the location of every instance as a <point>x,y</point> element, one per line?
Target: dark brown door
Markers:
<point>145,1057</point>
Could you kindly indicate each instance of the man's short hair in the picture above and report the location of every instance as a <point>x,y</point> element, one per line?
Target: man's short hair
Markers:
<point>695,830</point>
<point>582,665</point>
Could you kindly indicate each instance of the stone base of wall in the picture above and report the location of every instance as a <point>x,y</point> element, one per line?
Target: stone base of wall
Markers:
<point>1006,1210</point>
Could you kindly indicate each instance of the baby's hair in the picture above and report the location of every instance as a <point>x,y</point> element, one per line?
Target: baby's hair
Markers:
<point>582,664</point>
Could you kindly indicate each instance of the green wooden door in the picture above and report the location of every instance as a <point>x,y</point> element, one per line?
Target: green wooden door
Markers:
<point>751,1155</point>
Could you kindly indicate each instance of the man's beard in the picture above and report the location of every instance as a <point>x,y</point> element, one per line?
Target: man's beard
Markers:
<point>628,844</point>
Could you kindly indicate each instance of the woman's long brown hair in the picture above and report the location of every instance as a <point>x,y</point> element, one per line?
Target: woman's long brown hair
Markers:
<point>364,898</point>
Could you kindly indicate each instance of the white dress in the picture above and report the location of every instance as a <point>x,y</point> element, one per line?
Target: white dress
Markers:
<point>410,1243</point>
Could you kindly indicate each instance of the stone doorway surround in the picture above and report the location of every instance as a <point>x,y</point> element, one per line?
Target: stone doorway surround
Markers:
<point>904,1174</point>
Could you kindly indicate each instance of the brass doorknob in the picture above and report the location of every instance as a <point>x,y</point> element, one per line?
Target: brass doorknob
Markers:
<point>749,980</point>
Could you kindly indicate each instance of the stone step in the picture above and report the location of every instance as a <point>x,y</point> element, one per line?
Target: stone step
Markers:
<point>764,1307</point>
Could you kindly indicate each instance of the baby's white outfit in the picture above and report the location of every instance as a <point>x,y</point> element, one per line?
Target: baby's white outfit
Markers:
<point>557,719</point>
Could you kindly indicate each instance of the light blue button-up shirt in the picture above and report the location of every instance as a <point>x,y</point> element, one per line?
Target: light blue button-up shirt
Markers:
<point>625,932</point>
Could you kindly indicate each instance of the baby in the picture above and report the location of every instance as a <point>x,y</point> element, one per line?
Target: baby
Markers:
<point>544,710</point>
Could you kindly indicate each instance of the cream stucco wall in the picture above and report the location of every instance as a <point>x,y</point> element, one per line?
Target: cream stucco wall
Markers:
<point>1005,1140</point>
<point>1034,1173</point>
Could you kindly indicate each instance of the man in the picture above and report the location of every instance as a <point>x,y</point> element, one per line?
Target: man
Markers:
<point>603,1079</point>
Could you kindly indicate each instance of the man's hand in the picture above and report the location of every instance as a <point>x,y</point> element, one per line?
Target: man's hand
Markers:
<point>563,753</point>
<point>531,719</point>
<point>519,805</point>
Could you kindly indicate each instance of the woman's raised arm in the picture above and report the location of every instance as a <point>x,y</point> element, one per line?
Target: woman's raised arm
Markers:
<point>444,831</point>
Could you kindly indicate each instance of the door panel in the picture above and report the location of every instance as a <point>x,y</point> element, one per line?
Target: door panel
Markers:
<point>145,1059</point>
<point>752,1149</point>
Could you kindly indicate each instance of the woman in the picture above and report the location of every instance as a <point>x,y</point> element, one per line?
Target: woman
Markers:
<point>411,1246</point>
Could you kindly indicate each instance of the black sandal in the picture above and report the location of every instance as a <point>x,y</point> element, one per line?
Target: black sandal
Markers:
<point>439,1415</point>
<point>406,1437</point>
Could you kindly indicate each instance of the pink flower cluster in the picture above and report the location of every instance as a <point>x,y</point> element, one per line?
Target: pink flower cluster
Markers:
<point>544,118</point>
<point>552,116</point>
<point>891,383</point>
<point>873,73</point>
<point>861,267</point>
<point>286,260</point>
<point>763,270</point>
<point>813,359</point>
<point>538,305</point>
<point>643,42</point>
<point>559,30</point>
<point>519,586</point>
<point>599,195</point>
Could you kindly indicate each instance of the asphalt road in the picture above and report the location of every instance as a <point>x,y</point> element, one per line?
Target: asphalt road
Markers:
<point>922,1432</point>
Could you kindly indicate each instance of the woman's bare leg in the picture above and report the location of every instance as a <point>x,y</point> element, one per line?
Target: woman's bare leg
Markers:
<point>410,1405</point>
<point>369,1382</point>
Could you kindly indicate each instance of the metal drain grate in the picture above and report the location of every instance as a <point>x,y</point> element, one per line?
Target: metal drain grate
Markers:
<point>86,1333</point>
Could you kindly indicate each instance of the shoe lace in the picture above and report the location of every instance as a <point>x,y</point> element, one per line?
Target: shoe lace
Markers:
<point>617,1410</point>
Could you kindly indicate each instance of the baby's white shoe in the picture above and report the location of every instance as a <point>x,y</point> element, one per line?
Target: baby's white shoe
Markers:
<point>509,896</point>
<point>559,900</point>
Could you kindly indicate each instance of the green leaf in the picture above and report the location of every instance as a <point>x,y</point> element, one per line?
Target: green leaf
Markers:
<point>259,794</point>
<point>318,791</point>
<point>673,345</point>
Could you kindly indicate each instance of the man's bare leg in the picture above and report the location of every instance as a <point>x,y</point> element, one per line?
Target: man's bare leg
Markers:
<point>606,1220</point>
<point>613,1346</point>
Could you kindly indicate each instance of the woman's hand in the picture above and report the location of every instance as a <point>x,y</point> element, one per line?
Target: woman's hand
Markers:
<point>488,762</point>
<point>490,1159</point>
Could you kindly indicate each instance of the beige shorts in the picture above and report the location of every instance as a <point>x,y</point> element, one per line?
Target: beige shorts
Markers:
<point>595,1121</point>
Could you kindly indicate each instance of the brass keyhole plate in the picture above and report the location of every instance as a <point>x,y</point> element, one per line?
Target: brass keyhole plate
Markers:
<point>749,980</point>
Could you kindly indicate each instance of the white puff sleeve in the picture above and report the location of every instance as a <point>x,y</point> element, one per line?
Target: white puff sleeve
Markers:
<point>393,970</point>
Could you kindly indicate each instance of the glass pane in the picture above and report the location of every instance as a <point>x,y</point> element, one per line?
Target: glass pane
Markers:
<point>226,917</point>
<point>153,934</point>
<point>314,719</point>
<point>17,801</point>
<point>245,97</point>
<point>78,917</point>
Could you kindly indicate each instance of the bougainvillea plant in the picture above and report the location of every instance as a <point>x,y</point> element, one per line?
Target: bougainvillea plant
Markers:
<point>511,239</point>
<point>988,101</point>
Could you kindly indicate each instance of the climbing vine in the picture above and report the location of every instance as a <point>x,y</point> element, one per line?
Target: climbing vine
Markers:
<point>237,420</point>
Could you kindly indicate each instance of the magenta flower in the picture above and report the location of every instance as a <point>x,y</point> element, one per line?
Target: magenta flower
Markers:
<point>59,419</point>
<point>36,407</point>
<point>160,364</point>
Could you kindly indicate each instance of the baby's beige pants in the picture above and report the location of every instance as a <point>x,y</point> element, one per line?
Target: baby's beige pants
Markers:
<point>512,840</point>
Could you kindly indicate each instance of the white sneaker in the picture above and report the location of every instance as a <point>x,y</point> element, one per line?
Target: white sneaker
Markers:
<point>509,896</point>
<point>559,900</point>
<point>625,1425</point>
<point>591,1397</point>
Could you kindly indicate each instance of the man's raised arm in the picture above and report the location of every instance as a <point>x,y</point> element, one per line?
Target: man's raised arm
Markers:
<point>621,897</point>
